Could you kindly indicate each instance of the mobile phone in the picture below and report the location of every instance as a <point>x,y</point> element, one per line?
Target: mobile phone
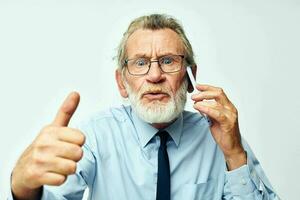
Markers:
<point>193,81</point>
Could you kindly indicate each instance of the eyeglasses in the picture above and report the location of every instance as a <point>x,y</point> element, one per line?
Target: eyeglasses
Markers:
<point>141,66</point>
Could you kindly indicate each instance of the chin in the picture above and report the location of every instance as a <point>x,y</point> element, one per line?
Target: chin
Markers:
<point>156,111</point>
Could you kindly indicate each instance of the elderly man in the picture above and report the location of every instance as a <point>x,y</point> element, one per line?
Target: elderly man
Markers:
<point>152,149</point>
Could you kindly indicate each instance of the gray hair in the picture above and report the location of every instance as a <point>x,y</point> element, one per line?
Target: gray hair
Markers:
<point>155,22</point>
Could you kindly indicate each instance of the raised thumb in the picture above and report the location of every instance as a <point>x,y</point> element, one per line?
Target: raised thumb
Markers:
<point>67,110</point>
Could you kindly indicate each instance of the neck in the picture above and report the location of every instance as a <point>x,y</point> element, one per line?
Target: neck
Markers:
<point>160,125</point>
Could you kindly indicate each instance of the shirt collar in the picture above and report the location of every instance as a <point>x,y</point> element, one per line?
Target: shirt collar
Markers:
<point>146,131</point>
<point>175,129</point>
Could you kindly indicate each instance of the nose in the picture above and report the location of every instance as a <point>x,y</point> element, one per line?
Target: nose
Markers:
<point>155,74</point>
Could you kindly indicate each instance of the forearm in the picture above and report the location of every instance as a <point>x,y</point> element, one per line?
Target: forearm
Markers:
<point>236,160</point>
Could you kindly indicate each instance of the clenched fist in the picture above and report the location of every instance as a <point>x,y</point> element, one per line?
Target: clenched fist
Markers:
<point>52,156</point>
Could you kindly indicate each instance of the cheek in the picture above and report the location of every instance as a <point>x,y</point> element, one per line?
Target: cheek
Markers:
<point>135,83</point>
<point>175,83</point>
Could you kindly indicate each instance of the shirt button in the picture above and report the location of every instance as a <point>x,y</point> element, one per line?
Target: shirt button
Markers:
<point>244,182</point>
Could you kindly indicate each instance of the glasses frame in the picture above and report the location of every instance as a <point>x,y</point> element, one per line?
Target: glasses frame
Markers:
<point>152,61</point>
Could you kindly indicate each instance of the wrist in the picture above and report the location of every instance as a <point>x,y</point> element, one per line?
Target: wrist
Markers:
<point>236,160</point>
<point>26,194</point>
<point>20,192</point>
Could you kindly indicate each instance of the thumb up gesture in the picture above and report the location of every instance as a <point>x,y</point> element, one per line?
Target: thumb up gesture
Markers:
<point>52,156</point>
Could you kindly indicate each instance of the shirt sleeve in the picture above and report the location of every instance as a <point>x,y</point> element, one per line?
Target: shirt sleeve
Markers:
<point>248,182</point>
<point>75,184</point>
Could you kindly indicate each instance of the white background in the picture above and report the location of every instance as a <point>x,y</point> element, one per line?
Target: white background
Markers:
<point>249,48</point>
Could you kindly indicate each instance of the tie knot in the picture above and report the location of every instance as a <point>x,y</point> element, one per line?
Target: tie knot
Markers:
<point>163,137</point>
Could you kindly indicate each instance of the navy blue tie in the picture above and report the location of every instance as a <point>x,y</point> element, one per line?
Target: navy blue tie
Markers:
<point>163,175</point>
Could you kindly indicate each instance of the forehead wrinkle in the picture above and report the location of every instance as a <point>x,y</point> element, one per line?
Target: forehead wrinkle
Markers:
<point>138,44</point>
<point>172,45</point>
<point>154,43</point>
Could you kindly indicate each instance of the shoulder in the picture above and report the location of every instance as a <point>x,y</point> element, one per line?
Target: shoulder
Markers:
<point>103,122</point>
<point>110,115</point>
<point>101,125</point>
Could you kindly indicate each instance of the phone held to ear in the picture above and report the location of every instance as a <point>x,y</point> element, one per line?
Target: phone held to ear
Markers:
<point>193,81</point>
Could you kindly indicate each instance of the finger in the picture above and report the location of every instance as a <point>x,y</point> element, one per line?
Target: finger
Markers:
<point>215,113</point>
<point>210,104</point>
<point>205,95</point>
<point>68,151</point>
<point>211,92</point>
<point>212,95</point>
<point>205,87</point>
<point>71,135</point>
<point>51,178</point>
<point>62,166</point>
<point>67,109</point>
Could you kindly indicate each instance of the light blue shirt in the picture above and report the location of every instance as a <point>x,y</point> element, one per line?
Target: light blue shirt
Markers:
<point>120,162</point>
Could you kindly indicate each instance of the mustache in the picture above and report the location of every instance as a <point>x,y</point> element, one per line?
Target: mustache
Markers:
<point>147,88</point>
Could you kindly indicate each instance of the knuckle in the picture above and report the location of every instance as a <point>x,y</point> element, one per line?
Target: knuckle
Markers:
<point>77,152</point>
<point>71,168</point>
<point>48,129</point>
<point>80,153</point>
<point>37,158</point>
<point>60,180</point>
<point>217,106</point>
<point>81,138</point>
<point>235,116</point>
<point>235,111</point>
<point>220,91</point>
<point>48,132</point>
<point>45,129</point>
<point>222,117</point>
<point>42,146</point>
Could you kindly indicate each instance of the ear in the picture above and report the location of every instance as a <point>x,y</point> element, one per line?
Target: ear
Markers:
<point>120,83</point>
<point>190,86</point>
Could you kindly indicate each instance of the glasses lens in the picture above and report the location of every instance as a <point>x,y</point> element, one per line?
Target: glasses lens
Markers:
<point>138,66</point>
<point>171,63</point>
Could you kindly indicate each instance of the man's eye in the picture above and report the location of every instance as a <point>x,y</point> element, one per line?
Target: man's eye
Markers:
<point>167,61</point>
<point>141,62</point>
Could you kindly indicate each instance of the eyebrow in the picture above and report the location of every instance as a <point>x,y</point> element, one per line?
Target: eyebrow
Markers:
<point>140,55</point>
<point>143,55</point>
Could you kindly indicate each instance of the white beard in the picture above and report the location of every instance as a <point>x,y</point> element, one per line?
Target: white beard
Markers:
<point>157,111</point>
